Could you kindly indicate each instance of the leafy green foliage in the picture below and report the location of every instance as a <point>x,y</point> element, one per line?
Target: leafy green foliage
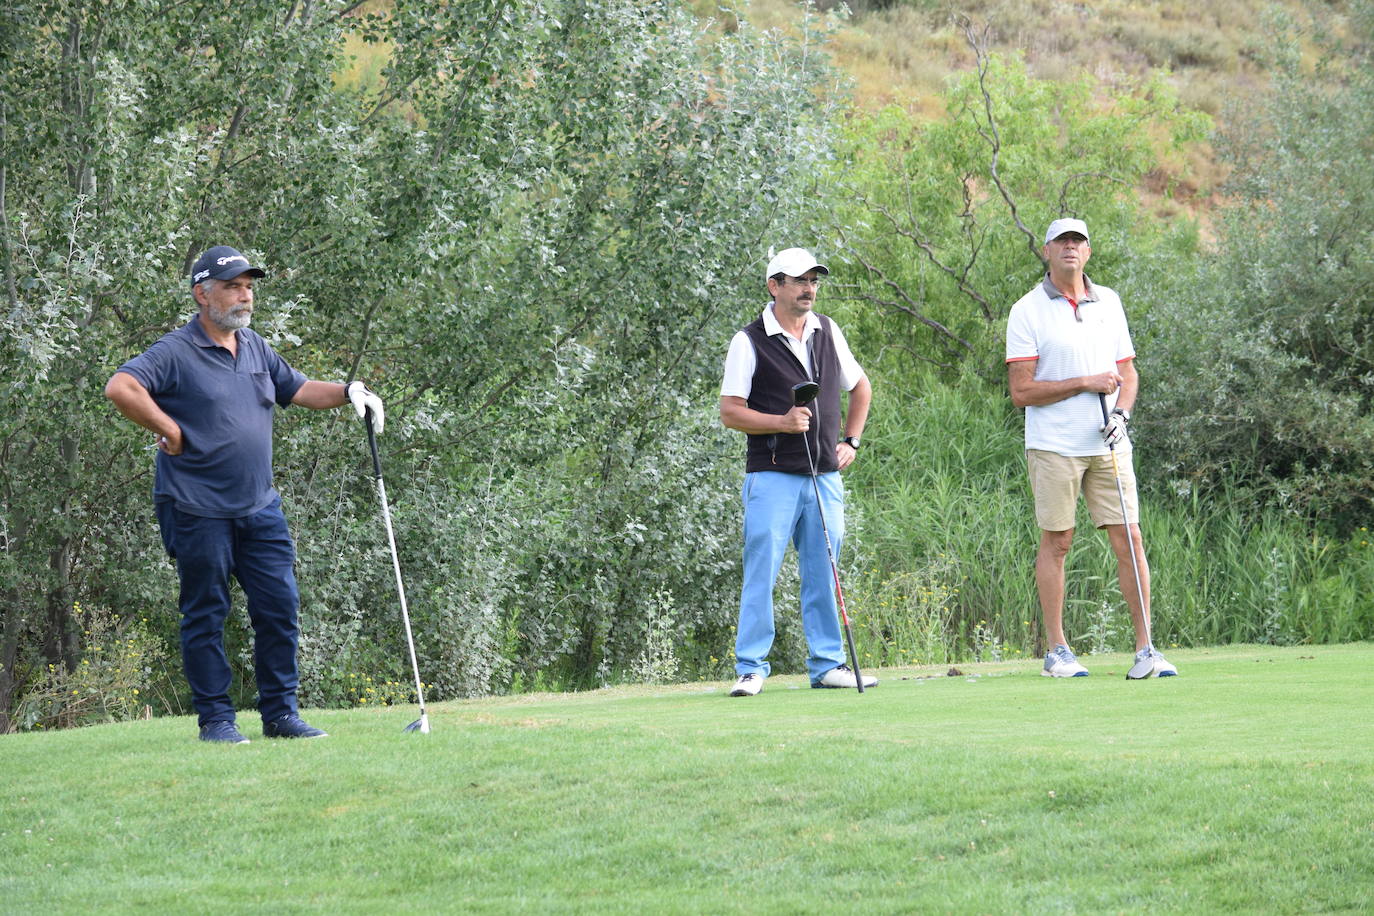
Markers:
<point>532,233</point>
<point>1252,403</point>
<point>533,226</point>
<point>124,670</point>
<point>1271,360</point>
<point>946,219</point>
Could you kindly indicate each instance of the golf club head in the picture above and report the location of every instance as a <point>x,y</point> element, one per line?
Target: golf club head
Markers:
<point>804,393</point>
<point>1141,670</point>
<point>420,725</point>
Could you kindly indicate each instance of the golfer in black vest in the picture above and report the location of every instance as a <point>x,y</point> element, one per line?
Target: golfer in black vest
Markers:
<point>788,344</point>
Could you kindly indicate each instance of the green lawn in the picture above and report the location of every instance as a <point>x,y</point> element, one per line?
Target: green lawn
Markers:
<point>1246,784</point>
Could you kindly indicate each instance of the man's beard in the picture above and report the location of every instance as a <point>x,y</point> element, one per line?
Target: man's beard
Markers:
<point>228,320</point>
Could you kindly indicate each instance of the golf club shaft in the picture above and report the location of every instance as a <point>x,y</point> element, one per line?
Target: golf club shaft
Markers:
<point>395,562</point>
<point>834,567</point>
<point>1126,523</point>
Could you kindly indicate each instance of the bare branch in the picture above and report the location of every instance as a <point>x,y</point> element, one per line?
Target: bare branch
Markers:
<point>912,353</point>
<point>911,307</point>
<point>921,241</point>
<point>498,10</point>
<point>347,10</point>
<point>359,352</point>
<point>225,162</point>
<point>1064,191</point>
<point>385,101</point>
<point>979,41</point>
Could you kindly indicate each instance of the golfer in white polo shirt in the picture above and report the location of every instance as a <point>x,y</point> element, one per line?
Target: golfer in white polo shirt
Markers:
<point>1068,343</point>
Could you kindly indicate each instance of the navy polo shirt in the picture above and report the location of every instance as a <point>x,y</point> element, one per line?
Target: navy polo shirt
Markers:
<point>223,405</point>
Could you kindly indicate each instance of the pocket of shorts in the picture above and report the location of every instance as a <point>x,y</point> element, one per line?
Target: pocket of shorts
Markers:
<point>266,391</point>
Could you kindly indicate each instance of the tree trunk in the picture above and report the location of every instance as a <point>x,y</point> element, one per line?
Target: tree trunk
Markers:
<point>9,654</point>
<point>63,642</point>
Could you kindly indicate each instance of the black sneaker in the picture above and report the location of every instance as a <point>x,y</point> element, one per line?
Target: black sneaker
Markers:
<point>223,732</point>
<point>291,726</point>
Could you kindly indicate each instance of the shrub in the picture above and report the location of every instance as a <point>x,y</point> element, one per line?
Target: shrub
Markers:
<point>121,675</point>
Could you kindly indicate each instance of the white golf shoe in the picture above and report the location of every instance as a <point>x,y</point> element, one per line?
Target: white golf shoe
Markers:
<point>748,685</point>
<point>1158,665</point>
<point>843,676</point>
<point>1062,663</point>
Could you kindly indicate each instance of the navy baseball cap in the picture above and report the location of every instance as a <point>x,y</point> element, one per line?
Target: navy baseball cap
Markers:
<point>222,263</point>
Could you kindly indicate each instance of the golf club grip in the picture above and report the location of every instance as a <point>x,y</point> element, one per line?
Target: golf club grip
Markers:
<point>372,444</point>
<point>1102,399</point>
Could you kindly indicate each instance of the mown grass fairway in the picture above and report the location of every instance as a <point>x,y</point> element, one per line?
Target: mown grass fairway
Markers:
<point>1246,784</point>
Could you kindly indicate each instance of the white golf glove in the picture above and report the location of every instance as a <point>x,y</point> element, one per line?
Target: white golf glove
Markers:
<point>363,401</point>
<point>1115,430</point>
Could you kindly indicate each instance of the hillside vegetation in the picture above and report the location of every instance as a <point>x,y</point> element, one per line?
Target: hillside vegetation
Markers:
<point>1214,54</point>
<point>904,50</point>
<point>532,228</point>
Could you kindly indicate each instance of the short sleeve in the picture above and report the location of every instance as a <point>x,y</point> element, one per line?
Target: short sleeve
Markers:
<point>740,362</point>
<point>850,370</point>
<point>286,379</point>
<point>154,368</point>
<point>1021,342</point>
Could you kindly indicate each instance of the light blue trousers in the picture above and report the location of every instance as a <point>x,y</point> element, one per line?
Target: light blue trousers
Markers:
<point>778,508</point>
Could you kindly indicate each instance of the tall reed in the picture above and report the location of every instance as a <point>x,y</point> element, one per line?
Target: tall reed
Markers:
<point>942,541</point>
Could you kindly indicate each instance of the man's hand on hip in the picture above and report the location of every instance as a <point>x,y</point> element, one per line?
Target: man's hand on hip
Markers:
<point>171,445</point>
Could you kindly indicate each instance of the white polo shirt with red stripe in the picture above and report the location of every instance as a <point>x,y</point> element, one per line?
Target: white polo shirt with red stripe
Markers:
<point>1069,339</point>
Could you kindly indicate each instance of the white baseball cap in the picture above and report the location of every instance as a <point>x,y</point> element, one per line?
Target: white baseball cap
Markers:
<point>794,262</point>
<point>1061,226</point>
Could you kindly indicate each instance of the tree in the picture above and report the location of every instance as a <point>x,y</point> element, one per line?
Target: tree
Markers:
<point>946,218</point>
<point>1271,380</point>
<point>531,233</point>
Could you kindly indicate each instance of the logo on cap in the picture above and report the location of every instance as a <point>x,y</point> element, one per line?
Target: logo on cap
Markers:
<point>222,263</point>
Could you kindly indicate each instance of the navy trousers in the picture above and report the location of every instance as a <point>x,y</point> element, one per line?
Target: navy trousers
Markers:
<point>258,551</point>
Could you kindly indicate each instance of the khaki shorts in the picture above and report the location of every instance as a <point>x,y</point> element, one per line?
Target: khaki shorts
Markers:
<point>1056,481</point>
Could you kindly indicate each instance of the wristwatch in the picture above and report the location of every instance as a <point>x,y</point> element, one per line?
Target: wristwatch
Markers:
<point>852,442</point>
<point>1125,414</point>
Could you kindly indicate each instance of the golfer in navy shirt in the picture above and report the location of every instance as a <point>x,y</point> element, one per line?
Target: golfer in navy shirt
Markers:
<point>207,391</point>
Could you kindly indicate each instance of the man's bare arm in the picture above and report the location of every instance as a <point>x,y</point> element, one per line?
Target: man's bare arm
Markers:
<point>134,402</point>
<point>1027,391</point>
<point>320,395</point>
<point>736,413</point>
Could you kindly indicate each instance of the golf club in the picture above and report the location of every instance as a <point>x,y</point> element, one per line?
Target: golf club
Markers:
<point>804,393</point>
<point>1143,668</point>
<point>421,724</point>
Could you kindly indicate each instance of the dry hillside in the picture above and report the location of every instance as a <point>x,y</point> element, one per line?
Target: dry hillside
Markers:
<point>903,51</point>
